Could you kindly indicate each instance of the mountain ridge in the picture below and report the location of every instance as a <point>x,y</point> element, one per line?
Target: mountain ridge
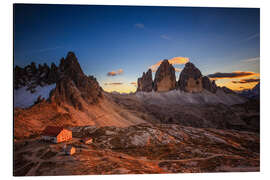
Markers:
<point>190,80</point>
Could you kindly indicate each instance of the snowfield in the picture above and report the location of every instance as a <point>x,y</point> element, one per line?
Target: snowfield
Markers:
<point>181,97</point>
<point>24,98</point>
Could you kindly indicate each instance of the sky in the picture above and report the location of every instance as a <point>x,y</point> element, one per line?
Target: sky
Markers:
<point>117,44</point>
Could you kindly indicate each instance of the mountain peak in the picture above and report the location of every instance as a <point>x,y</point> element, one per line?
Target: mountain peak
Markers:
<point>165,77</point>
<point>70,65</point>
<point>74,87</point>
<point>145,83</point>
<point>190,79</point>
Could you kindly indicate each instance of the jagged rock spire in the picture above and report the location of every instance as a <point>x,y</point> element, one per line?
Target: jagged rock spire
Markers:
<point>74,87</point>
<point>145,83</point>
<point>165,77</point>
<point>190,79</point>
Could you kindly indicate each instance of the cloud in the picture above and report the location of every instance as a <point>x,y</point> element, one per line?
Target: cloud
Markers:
<point>244,81</point>
<point>251,59</point>
<point>113,84</point>
<point>139,25</point>
<point>235,74</point>
<point>114,73</point>
<point>252,36</point>
<point>164,36</point>
<point>178,69</point>
<point>133,83</point>
<point>175,60</point>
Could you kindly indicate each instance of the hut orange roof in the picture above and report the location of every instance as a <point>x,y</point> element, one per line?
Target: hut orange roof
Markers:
<point>52,130</point>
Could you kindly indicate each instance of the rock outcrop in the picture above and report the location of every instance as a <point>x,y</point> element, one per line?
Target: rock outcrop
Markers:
<point>190,79</point>
<point>145,83</point>
<point>165,77</point>
<point>31,76</point>
<point>209,85</point>
<point>74,87</point>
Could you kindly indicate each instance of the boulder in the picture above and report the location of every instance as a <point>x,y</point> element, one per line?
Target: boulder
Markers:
<point>190,79</point>
<point>145,83</point>
<point>165,77</point>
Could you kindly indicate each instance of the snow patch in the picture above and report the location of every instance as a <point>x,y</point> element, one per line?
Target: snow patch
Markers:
<point>24,98</point>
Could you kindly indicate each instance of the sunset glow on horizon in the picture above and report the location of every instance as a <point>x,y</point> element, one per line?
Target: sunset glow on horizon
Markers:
<point>116,44</point>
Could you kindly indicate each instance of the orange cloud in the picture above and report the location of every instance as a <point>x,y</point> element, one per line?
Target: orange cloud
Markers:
<point>114,73</point>
<point>178,69</point>
<point>232,75</point>
<point>134,84</point>
<point>243,81</point>
<point>113,84</point>
<point>175,60</point>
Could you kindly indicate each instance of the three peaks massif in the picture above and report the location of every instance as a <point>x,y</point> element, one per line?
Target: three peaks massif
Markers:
<point>190,80</point>
<point>75,99</point>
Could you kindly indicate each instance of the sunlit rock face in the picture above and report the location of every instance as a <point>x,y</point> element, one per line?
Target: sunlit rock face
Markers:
<point>190,79</point>
<point>165,77</point>
<point>145,83</point>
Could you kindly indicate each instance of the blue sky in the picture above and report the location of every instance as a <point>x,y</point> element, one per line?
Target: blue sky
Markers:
<point>109,38</point>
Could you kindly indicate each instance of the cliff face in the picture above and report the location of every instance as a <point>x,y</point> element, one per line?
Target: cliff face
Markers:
<point>190,80</point>
<point>209,85</point>
<point>165,77</point>
<point>145,83</point>
<point>74,87</point>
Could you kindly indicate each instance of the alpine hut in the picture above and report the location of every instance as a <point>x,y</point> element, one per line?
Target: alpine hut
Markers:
<point>56,134</point>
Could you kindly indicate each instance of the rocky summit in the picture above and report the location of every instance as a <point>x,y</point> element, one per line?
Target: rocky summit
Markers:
<point>190,79</point>
<point>165,77</point>
<point>145,83</point>
<point>74,87</point>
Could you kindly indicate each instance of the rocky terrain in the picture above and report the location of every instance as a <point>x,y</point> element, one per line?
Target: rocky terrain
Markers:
<point>203,110</point>
<point>146,148</point>
<point>76,100</point>
<point>167,126</point>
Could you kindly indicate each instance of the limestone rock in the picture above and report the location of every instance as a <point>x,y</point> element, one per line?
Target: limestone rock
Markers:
<point>165,77</point>
<point>209,85</point>
<point>190,79</point>
<point>145,83</point>
<point>74,87</point>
